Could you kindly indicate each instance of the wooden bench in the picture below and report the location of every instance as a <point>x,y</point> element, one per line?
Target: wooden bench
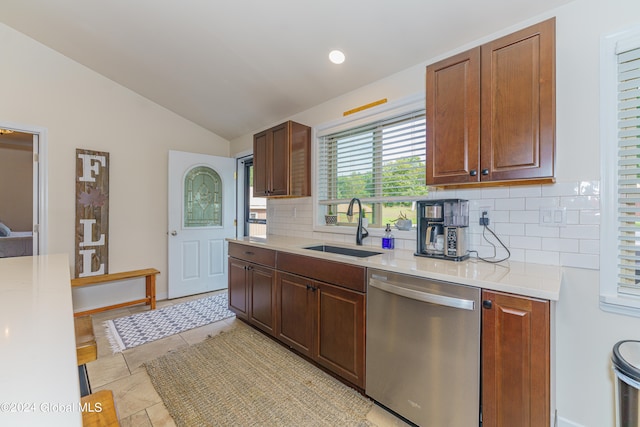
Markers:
<point>148,273</point>
<point>86,347</point>
<point>99,410</point>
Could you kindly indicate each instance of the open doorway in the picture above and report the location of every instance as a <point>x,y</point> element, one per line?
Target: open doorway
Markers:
<point>21,193</point>
<point>252,211</point>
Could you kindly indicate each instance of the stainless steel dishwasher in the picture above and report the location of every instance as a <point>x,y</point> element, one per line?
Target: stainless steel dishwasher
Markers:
<point>423,349</point>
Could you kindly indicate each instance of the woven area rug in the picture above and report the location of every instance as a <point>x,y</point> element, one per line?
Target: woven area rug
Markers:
<point>141,328</point>
<point>242,378</point>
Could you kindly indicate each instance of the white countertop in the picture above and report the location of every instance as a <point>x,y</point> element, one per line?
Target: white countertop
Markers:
<point>532,280</point>
<point>39,383</point>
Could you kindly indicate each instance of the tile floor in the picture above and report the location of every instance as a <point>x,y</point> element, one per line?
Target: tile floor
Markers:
<point>136,400</point>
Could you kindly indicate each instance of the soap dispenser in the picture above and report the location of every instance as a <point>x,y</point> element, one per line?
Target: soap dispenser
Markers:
<point>388,241</point>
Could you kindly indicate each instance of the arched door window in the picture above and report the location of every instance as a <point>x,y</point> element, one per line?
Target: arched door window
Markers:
<point>202,198</point>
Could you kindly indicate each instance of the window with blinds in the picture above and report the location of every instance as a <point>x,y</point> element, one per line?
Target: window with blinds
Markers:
<point>381,163</point>
<point>620,172</point>
<point>628,197</point>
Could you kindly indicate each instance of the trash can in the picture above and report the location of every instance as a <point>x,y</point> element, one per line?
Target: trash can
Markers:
<point>626,365</point>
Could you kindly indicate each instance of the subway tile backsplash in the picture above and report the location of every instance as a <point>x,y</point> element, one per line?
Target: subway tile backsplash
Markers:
<point>517,216</point>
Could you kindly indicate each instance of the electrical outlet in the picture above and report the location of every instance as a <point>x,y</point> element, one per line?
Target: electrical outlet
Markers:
<point>484,217</point>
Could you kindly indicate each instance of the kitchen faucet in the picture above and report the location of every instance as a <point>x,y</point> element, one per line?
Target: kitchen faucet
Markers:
<point>361,232</point>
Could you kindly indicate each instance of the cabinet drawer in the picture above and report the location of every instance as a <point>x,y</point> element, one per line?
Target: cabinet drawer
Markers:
<point>345,275</point>
<point>252,254</point>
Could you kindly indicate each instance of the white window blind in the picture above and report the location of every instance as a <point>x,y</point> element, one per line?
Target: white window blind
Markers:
<point>628,183</point>
<point>376,162</point>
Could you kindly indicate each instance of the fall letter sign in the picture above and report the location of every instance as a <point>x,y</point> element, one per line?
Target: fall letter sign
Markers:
<point>92,213</point>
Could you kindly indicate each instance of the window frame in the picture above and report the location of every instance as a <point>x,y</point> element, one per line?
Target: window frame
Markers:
<point>610,298</point>
<point>381,112</point>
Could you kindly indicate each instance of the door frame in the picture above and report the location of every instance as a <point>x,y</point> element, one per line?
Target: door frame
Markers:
<point>240,193</point>
<point>40,184</point>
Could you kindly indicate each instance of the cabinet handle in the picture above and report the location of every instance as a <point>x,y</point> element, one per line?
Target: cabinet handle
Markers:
<point>312,288</point>
<point>248,253</point>
<point>485,171</point>
<point>473,172</point>
<point>487,304</point>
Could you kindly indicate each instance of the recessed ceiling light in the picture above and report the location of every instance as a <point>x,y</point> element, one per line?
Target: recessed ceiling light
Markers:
<point>336,56</point>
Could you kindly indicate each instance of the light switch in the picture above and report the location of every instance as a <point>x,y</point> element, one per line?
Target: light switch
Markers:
<point>553,217</point>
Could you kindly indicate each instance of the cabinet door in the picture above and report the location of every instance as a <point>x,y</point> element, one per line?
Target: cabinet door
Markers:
<point>453,119</point>
<point>515,361</point>
<point>300,160</point>
<point>280,160</point>
<point>238,288</point>
<point>295,316</point>
<point>518,104</point>
<point>261,165</point>
<point>340,332</point>
<point>262,298</point>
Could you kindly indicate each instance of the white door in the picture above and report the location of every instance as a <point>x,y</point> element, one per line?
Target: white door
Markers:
<point>201,217</point>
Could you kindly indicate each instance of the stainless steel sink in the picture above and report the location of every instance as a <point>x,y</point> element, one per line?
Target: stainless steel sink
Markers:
<point>343,251</point>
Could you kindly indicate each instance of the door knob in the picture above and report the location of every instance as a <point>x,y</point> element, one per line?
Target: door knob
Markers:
<point>174,233</point>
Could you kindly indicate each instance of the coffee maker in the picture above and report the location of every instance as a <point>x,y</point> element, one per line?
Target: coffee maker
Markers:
<point>442,229</point>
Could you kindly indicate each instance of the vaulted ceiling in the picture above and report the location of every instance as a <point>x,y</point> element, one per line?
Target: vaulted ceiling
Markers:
<point>235,66</point>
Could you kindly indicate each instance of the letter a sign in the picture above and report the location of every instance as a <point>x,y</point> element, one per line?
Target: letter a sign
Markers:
<point>92,213</point>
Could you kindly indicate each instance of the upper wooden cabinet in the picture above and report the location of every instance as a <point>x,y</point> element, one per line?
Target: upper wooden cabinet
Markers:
<point>282,161</point>
<point>453,119</point>
<point>491,111</point>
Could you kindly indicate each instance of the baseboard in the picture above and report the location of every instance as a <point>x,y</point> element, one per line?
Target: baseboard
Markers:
<point>563,422</point>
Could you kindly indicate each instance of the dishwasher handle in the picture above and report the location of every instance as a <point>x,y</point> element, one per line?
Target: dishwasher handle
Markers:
<point>463,304</point>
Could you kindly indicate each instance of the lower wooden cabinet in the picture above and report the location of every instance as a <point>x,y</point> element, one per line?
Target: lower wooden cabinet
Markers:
<point>251,291</point>
<point>262,298</point>
<point>295,305</point>
<point>515,361</point>
<point>340,331</point>
<point>323,322</point>
<point>238,288</point>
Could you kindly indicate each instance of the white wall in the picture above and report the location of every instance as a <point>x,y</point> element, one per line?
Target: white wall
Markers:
<point>585,334</point>
<point>82,109</point>
<point>16,183</point>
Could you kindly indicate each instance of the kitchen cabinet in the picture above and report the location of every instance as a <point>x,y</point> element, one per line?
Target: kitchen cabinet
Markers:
<point>314,306</point>
<point>282,161</point>
<point>321,312</point>
<point>238,288</point>
<point>340,331</point>
<point>515,360</point>
<point>251,292</point>
<point>323,322</point>
<point>491,111</point>
<point>295,304</point>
